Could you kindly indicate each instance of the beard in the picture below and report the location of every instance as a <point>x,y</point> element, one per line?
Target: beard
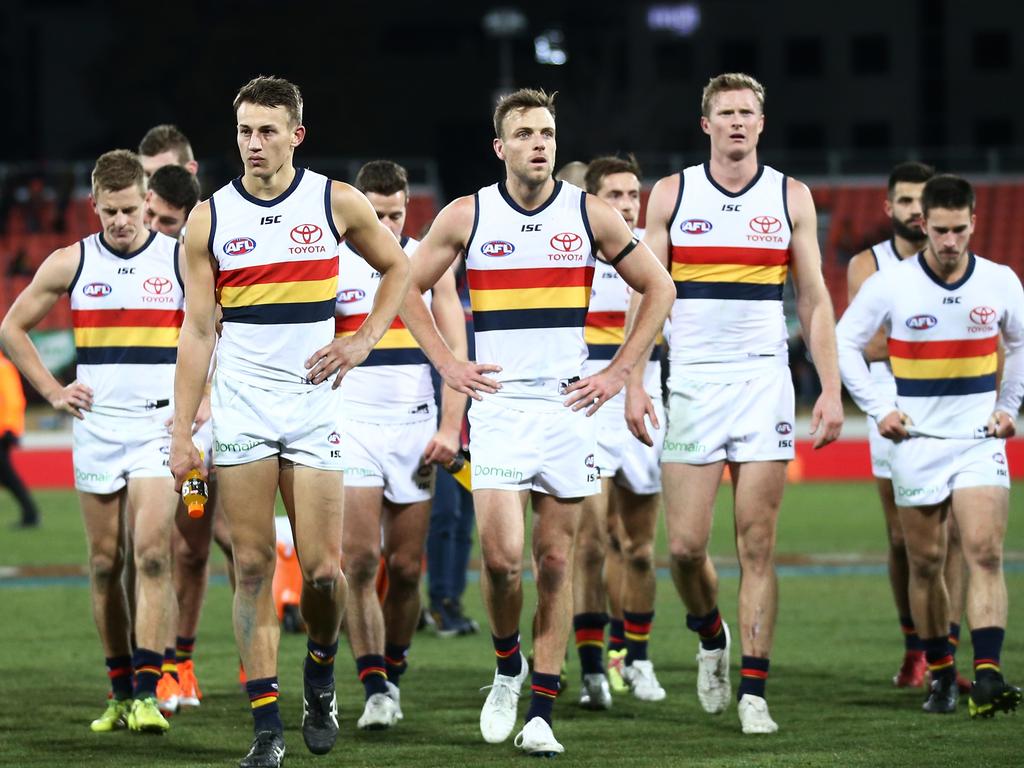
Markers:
<point>907,232</point>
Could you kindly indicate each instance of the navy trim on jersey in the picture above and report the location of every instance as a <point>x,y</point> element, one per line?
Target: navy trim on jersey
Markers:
<point>726,192</point>
<point>692,289</point>
<point>403,241</point>
<point>281,314</point>
<point>675,212</point>
<point>513,319</point>
<point>328,210</point>
<point>395,357</point>
<point>127,355</point>
<point>476,219</point>
<point>177,265</point>
<point>785,200</point>
<point>237,184</point>
<point>586,225</point>
<point>81,266</point>
<point>213,226</point>
<point>938,280</point>
<point>607,352</point>
<point>515,206</point>
<point>132,254</point>
<point>968,385</point>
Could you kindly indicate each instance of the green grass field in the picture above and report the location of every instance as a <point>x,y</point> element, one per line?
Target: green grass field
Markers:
<point>836,647</point>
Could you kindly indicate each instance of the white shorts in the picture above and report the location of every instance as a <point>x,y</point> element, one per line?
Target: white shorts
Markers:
<point>389,456</point>
<point>926,470</point>
<point>738,421</point>
<point>107,450</point>
<point>620,456</point>
<point>203,438</point>
<point>250,423</point>
<point>881,452</point>
<point>550,451</point>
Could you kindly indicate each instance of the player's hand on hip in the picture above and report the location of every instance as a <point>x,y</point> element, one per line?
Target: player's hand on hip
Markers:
<point>827,419</point>
<point>183,459</point>
<point>893,426</point>
<point>468,377</point>
<point>73,399</point>
<point>442,447</point>
<point>594,391</point>
<point>1000,424</point>
<point>340,356</point>
<point>638,406</point>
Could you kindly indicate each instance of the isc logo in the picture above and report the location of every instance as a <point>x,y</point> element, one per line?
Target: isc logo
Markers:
<point>348,295</point>
<point>239,246</point>
<point>695,226</point>
<point>497,248</point>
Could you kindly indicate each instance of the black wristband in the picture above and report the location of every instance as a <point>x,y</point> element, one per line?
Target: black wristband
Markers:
<point>625,251</point>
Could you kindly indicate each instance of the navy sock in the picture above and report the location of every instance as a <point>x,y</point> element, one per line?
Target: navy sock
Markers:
<point>183,648</point>
<point>318,668</point>
<point>395,659</point>
<point>147,672</point>
<point>170,663</point>
<point>988,644</point>
<point>710,629</point>
<point>638,632</point>
<point>506,649</point>
<point>119,670</point>
<point>545,691</point>
<point>940,660</point>
<point>266,715</point>
<point>911,641</point>
<point>589,629</point>
<point>753,676</point>
<point>616,635</point>
<point>373,674</point>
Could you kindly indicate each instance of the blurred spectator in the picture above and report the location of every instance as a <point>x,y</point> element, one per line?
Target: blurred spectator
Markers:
<point>12,425</point>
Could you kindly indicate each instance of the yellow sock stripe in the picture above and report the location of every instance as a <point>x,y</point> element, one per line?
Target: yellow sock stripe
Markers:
<point>591,643</point>
<point>321,661</point>
<point>993,667</point>
<point>638,638</point>
<point>169,666</point>
<point>263,701</point>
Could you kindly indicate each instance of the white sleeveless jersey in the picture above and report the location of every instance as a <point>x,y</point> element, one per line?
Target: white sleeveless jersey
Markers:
<point>943,341</point>
<point>605,329</point>
<point>277,279</point>
<point>885,256</point>
<point>393,384</point>
<point>530,274</point>
<point>127,310</point>
<point>730,257</point>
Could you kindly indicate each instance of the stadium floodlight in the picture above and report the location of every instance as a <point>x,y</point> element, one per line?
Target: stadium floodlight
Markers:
<point>504,22</point>
<point>549,48</point>
<point>682,19</point>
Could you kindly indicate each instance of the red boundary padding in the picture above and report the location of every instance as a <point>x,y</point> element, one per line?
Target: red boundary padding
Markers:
<point>845,460</point>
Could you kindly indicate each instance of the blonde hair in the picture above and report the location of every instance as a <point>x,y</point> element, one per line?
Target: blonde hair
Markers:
<point>117,170</point>
<point>523,99</point>
<point>730,81</point>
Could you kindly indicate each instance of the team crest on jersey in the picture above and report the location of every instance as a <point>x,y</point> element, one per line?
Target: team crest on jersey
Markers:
<point>96,290</point>
<point>696,226</point>
<point>921,322</point>
<point>497,248</point>
<point>334,438</point>
<point>239,246</point>
<point>590,461</point>
<point>348,295</point>
<point>784,428</point>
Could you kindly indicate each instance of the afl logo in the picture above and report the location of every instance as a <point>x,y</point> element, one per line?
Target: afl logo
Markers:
<point>983,315</point>
<point>306,234</point>
<point>921,322</point>
<point>590,461</point>
<point>695,226</point>
<point>239,246</point>
<point>349,295</point>
<point>497,248</point>
<point>998,458</point>
<point>765,225</point>
<point>95,290</point>
<point>783,427</point>
<point>157,286</point>
<point>334,438</point>
<point>566,242</point>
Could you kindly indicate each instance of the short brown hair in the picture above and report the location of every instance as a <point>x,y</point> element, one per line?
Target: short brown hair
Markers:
<point>605,166</point>
<point>270,91</point>
<point>383,177</point>
<point>166,138</point>
<point>117,170</point>
<point>176,186</point>
<point>729,81</point>
<point>523,99</point>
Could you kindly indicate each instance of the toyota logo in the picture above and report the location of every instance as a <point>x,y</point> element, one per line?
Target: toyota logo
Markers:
<point>983,315</point>
<point>306,234</point>
<point>765,225</point>
<point>157,286</point>
<point>566,242</point>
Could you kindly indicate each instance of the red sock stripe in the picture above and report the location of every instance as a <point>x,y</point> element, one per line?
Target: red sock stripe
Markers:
<point>712,631</point>
<point>637,629</point>
<point>373,671</point>
<point>395,662</point>
<point>507,654</point>
<point>542,691</point>
<point>943,663</point>
<point>908,630</point>
<point>992,662</point>
<point>758,674</point>
<point>954,641</point>
<point>119,672</point>
<point>591,636</point>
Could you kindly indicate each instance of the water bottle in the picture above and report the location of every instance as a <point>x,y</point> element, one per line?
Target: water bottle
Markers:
<point>459,468</point>
<point>195,492</point>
